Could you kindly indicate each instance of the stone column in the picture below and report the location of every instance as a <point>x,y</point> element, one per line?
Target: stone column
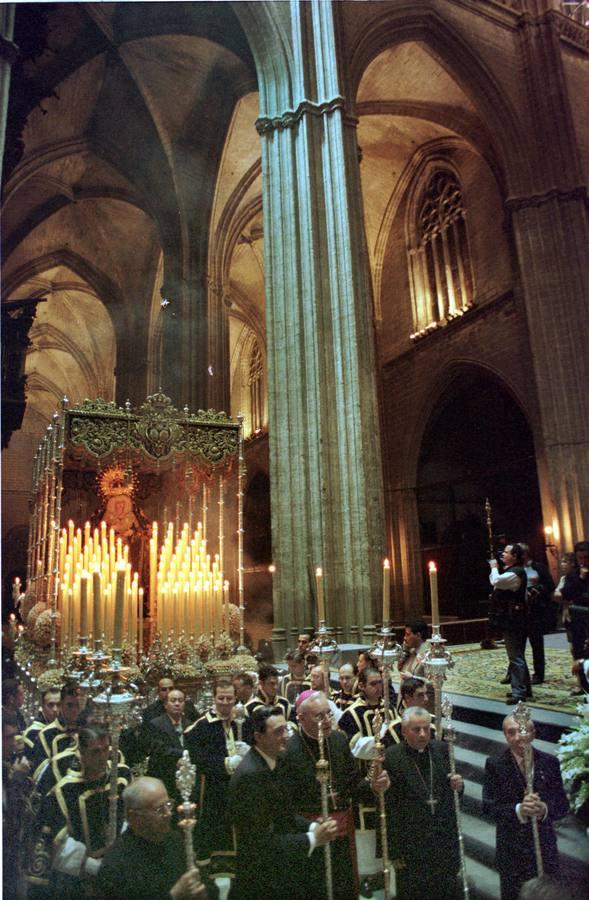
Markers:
<point>184,360</point>
<point>8,55</point>
<point>325,452</point>
<point>552,235</point>
<point>406,560</point>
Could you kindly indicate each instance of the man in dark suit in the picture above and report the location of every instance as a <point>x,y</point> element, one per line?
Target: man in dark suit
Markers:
<point>167,742</point>
<point>158,707</point>
<point>423,834</point>
<point>505,799</point>
<point>275,848</point>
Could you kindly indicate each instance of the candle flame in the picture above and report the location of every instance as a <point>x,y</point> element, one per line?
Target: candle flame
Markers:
<point>386,564</point>
<point>549,531</point>
<point>432,566</point>
<point>272,568</point>
<point>319,572</point>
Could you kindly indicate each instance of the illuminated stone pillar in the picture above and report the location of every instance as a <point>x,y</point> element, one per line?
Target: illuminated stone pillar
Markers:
<point>325,452</point>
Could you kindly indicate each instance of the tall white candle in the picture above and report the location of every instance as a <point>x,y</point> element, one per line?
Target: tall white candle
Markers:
<point>433,585</point>
<point>386,592</point>
<point>320,598</point>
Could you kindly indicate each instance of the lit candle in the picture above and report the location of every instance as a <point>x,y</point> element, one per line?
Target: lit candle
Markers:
<point>320,599</point>
<point>140,623</point>
<point>386,592</point>
<point>71,612</point>
<point>226,597</point>
<point>16,590</point>
<point>97,598</point>
<point>84,606</point>
<point>433,586</point>
<point>119,605</point>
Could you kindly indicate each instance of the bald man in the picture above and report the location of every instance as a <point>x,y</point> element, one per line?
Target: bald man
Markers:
<point>147,861</point>
<point>345,696</point>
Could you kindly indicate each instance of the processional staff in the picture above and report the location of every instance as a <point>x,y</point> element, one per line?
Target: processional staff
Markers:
<point>450,737</point>
<point>375,770</point>
<point>323,775</point>
<point>521,715</point>
<point>239,717</point>
<point>185,778</point>
<point>489,518</point>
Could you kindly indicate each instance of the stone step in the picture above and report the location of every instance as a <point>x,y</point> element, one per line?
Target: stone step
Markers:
<point>483,881</point>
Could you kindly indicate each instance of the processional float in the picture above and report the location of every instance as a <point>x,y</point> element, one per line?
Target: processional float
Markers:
<point>130,571</point>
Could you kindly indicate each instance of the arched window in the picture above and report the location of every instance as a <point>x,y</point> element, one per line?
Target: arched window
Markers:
<point>255,383</point>
<point>442,280</point>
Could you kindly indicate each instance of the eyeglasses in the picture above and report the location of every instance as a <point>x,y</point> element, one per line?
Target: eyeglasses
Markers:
<point>163,809</point>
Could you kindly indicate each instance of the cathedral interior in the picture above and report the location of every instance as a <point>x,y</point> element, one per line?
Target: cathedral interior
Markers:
<point>360,225</point>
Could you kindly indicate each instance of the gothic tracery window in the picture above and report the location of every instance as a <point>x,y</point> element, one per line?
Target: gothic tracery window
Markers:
<point>255,383</point>
<point>441,267</point>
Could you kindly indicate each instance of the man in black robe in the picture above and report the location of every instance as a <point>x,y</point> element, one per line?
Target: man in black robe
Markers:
<point>46,714</point>
<point>426,855</point>
<point>59,734</point>
<point>506,801</point>
<point>297,770</point>
<point>73,822</point>
<point>148,861</point>
<point>277,852</point>
<point>267,693</point>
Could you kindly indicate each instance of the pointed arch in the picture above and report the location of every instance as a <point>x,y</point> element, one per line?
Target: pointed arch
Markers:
<point>454,52</point>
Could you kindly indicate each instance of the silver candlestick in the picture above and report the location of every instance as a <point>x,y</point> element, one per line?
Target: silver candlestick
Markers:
<point>435,663</point>
<point>389,652</point>
<point>450,738</point>
<point>185,778</point>
<point>325,647</point>
<point>239,718</point>
<point>114,706</point>
<point>521,714</point>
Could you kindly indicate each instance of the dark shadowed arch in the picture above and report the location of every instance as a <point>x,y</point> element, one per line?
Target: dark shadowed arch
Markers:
<point>477,443</point>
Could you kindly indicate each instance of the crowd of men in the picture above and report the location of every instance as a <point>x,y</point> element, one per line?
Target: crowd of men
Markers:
<point>263,818</point>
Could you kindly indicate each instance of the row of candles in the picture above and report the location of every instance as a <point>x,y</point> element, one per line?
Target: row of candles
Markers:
<point>99,594</point>
<point>386,592</point>
<point>188,591</point>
